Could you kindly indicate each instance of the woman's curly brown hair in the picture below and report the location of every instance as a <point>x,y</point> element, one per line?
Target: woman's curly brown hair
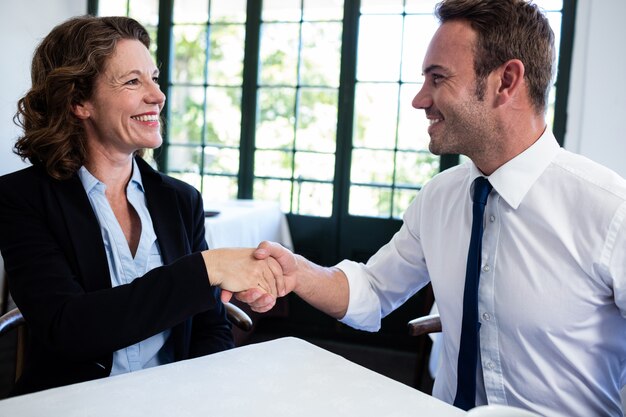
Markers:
<point>64,70</point>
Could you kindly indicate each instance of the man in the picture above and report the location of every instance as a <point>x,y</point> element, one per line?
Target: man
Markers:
<point>551,291</point>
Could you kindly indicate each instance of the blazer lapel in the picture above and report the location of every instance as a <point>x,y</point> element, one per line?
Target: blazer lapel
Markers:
<point>165,212</point>
<point>84,234</point>
<point>169,228</point>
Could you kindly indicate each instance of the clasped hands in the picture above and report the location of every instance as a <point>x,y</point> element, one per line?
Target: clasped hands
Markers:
<point>254,276</point>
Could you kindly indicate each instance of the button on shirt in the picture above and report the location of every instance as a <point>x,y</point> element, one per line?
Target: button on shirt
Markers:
<point>124,268</point>
<point>552,292</point>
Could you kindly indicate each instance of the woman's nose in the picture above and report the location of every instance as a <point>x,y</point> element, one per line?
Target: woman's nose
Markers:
<point>155,95</point>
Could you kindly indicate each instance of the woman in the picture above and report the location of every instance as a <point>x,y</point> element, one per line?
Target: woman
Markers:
<point>106,258</point>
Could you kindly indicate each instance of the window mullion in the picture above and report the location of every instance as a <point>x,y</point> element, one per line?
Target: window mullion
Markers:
<point>248,99</point>
<point>568,18</point>
<point>345,117</point>
<point>164,62</point>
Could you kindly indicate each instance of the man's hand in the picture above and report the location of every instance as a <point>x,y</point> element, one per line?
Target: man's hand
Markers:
<point>286,259</point>
<point>261,301</point>
<point>325,288</point>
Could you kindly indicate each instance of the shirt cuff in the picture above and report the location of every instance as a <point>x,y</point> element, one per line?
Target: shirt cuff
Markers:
<point>363,305</point>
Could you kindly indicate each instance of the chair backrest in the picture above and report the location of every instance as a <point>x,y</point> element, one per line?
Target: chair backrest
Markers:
<point>11,320</point>
<point>238,317</point>
<point>421,327</point>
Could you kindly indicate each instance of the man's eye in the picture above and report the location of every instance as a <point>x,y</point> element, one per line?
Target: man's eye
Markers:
<point>437,78</point>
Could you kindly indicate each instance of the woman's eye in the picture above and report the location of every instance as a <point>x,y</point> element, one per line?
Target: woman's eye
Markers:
<point>155,79</point>
<point>134,81</point>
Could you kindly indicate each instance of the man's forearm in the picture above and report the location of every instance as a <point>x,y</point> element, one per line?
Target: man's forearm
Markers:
<point>325,288</point>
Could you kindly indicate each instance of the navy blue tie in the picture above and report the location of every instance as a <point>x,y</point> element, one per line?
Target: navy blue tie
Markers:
<point>468,349</point>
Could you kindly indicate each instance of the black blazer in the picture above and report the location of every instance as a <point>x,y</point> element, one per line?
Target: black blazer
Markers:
<point>59,278</point>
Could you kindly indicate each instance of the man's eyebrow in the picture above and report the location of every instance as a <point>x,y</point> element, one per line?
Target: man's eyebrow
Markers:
<point>432,68</point>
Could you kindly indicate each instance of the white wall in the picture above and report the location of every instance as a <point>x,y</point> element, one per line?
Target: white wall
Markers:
<point>596,125</point>
<point>22,25</point>
<point>597,102</point>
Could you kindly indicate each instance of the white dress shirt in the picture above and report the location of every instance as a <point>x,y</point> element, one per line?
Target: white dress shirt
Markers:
<point>552,293</point>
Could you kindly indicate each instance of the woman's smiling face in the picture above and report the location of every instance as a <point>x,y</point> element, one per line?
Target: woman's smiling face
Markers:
<point>122,116</point>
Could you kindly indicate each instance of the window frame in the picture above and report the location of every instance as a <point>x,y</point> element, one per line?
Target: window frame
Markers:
<point>340,225</point>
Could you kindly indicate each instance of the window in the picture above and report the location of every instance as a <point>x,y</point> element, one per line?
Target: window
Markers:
<point>306,102</point>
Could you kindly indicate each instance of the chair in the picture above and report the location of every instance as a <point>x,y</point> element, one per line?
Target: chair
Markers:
<point>425,325</point>
<point>421,327</point>
<point>14,320</point>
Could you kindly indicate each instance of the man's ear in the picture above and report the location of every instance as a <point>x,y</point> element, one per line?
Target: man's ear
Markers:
<point>81,110</point>
<point>511,80</point>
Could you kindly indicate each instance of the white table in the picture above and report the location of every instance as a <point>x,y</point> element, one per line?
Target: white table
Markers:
<point>285,377</point>
<point>245,223</point>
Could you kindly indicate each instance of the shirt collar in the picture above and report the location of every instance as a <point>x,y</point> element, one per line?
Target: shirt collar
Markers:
<point>135,178</point>
<point>513,180</point>
<point>90,182</point>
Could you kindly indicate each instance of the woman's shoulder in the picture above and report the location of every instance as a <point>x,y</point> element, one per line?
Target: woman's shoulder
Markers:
<point>23,177</point>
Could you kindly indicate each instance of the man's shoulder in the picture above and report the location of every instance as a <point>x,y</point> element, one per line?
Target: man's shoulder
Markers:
<point>593,175</point>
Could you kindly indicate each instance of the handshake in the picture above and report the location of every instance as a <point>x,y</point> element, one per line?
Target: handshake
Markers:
<point>254,276</point>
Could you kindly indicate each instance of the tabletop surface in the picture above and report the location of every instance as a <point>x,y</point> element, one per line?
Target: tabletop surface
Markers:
<point>283,377</point>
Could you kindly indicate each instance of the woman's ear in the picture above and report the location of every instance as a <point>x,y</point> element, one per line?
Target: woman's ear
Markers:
<point>511,75</point>
<point>81,111</point>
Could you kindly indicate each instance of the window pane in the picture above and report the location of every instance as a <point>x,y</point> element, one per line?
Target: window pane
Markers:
<point>401,200</point>
<point>226,59</point>
<point>279,53</point>
<point>273,164</point>
<point>380,43</point>
<point>218,188</point>
<point>223,115</point>
<point>415,169</point>
<point>275,124</point>
<point>375,115</point>
<point>315,166</point>
<point>415,28</point>
<point>221,161</point>
<point>112,8</point>
<point>191,11</point>
<point>145,11</point>
<point>381,6</point>
<point>413,127</point>
<point>274,190</point>
<point>370,201</point>
<point>232,11</point>
<point>186,114</point>
<point>323,10</point>
<point>317,120</point>
<point>321,54</point>
<point>372,167</point>
<point>421,6</point>
<point>183,158</point>
<point>189,54</point>
<point>310,198</point>
<point>188,177</point>
<point>281,10</point>
<point>555,24</point>
<point>556,5</point>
